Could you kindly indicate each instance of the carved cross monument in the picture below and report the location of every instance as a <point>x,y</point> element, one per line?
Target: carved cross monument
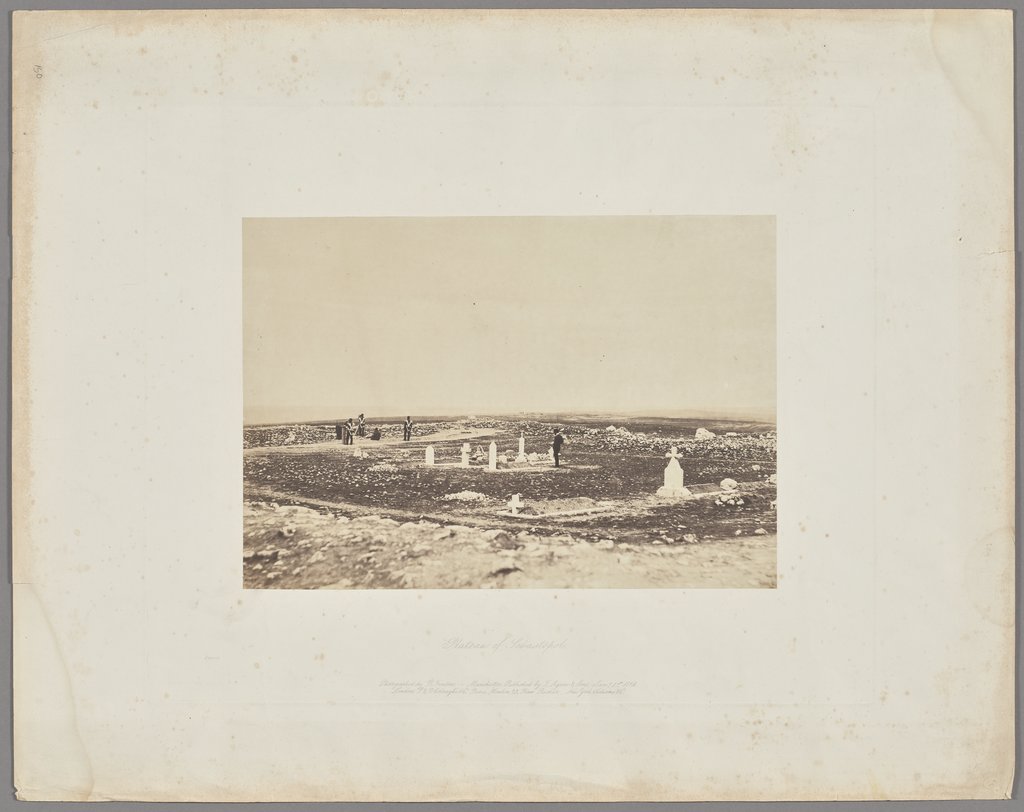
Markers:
<point>673,486</point>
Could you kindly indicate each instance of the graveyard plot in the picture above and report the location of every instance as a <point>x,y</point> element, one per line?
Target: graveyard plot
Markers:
<point>603,498</point>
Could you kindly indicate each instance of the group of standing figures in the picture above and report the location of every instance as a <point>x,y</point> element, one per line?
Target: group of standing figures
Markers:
<point>347,431</point>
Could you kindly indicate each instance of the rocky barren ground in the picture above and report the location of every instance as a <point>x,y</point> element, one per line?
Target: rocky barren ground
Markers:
<point>317,515</point>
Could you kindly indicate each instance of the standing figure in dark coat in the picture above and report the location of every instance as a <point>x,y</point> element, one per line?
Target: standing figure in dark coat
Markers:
<point>348,432</point>
<point>361,426</point>
<point>556,444</point>
<point>339,432</point>
<point>407,429</point>
<point>376,434</point>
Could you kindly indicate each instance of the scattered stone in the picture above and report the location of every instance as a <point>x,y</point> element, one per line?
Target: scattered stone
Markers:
<point>465,496</point>
<point>729,484</point>
<point>703,434</point>
<point>760,532</point>
<point>503,572</point>
<point>773,479</point>
<point>287,531</point>
<point>248,554</point>
<point>690,538</point>
<point>604,544</point>
<point>317,557</point>
<point>499,537</point>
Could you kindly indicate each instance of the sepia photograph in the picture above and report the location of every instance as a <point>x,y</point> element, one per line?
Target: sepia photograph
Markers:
<point>515,300</point>
<point>509,402</point>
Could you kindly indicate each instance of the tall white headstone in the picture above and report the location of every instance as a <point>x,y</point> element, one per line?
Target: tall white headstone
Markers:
<point>673,486</point>
<point>522,450</point>
<point>492,457</point>
<point>430,455</point>
<point>465,455</point>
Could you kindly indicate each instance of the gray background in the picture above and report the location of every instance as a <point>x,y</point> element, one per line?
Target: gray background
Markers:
<point>7,798</point>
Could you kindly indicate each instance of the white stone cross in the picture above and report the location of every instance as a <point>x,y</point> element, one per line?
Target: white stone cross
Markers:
<point>514,504</point>
<point>673,486</point>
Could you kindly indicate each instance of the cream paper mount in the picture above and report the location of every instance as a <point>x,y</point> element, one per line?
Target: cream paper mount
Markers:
<point>881,666</point>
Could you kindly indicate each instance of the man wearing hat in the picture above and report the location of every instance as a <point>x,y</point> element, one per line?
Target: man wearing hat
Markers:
<point>556,444</point>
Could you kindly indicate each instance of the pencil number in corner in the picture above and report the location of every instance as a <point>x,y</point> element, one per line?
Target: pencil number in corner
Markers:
<point>38,71</point>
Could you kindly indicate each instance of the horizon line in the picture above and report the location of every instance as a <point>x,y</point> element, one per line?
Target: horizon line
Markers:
<point>727,416</point>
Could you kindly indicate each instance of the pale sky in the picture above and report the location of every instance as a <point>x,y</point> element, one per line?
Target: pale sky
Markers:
<point>476,315</point>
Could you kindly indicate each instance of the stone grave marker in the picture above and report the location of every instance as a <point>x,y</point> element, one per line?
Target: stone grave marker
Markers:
<point>673,486</point>
<point>430,455</point>
<point>465,455</point>
<point>492,457</point>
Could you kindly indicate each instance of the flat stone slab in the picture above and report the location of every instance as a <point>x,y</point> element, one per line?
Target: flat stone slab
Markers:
<point>557,514</point>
